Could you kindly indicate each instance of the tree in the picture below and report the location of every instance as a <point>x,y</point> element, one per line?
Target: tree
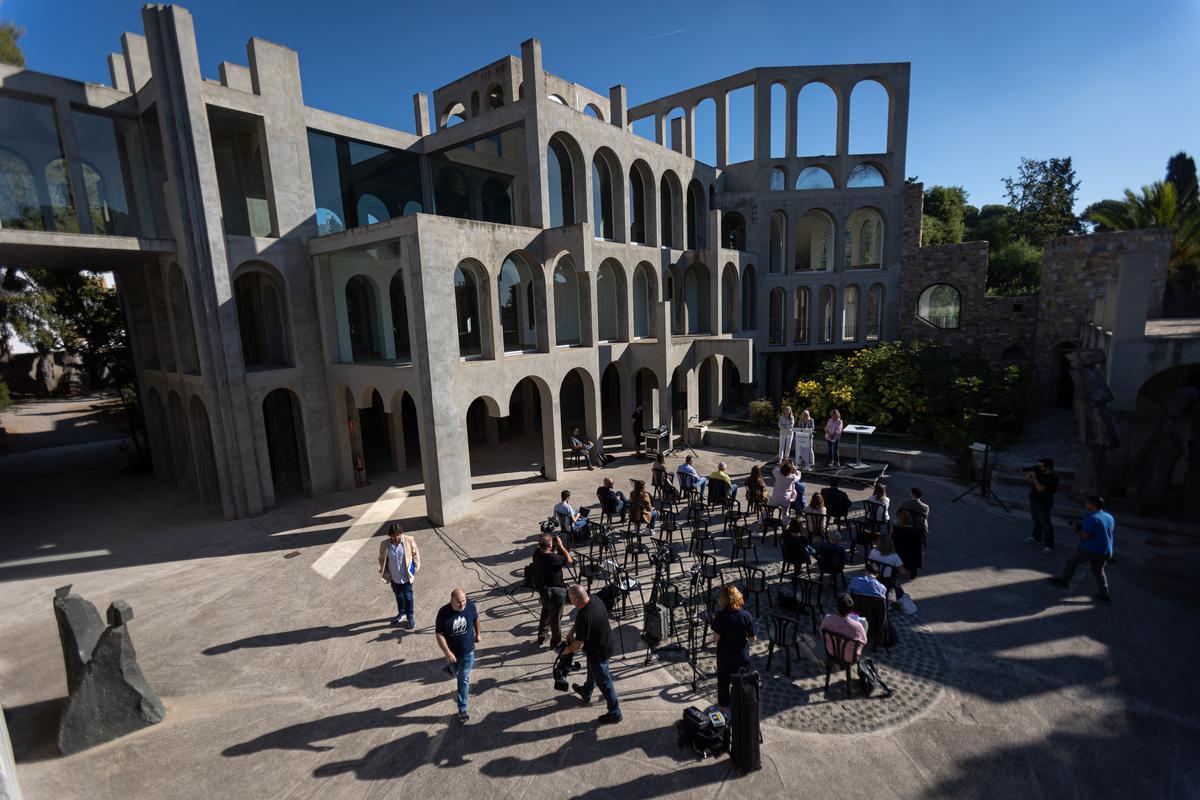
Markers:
<point>1181,173</point>
<point>1159,206</point>
<point>10,51</point>
<point>1042,197</point>
<point>944,212</point>
<point>1098,211</point>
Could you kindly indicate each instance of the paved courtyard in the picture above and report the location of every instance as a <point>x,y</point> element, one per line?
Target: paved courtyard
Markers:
<point>268,640</point>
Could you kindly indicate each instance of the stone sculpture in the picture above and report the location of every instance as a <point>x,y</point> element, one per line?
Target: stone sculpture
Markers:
<point>1097,433</point>
<point>108,696</point>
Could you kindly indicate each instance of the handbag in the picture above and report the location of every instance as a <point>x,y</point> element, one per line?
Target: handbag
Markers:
<point>907,605</point>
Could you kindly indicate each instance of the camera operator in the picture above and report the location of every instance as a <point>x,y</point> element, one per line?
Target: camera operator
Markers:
<point>1043,483</point>
<point>593,635</point>
<point>548,562</point>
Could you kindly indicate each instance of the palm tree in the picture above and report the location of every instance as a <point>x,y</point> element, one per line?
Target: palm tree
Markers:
<point>1159,206</point>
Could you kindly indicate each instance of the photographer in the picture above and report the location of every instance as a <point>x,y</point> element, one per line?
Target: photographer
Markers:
<point>548,562</point>
<point>1043,483</point>
<point>1095,547</point>
<point>593,635</point>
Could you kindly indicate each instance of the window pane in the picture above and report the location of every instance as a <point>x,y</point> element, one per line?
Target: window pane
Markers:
<point>31,159</point>
<point>105,175</point>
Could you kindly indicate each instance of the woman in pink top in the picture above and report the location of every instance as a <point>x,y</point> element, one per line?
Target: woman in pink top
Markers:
<point>833,435</point>
<point>783,492</point>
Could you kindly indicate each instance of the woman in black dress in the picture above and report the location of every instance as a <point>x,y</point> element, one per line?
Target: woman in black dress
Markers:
<point>733,629</point>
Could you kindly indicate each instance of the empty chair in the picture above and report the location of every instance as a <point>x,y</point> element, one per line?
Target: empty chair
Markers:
<point>754,582</point>
<point>772,522</point>
<point>783,630</point>
<point>743,542</point>
<point>804,598</point>
<point>874,609</point>
<point>831,561</point>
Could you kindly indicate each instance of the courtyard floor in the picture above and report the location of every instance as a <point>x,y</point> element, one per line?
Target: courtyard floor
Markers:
<point>268,640</point>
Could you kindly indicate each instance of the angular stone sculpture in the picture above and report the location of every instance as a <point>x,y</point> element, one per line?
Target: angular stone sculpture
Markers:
<point>108,696</point>
<point>1097,433</point>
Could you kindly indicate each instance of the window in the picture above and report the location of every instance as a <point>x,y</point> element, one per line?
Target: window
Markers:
<point>466,302</point>
<point>850,314</point>
<point>816,121</point>
<point>864,239</point>
<point>775,317</point>
<point>608,288</point>
<point>19,207</point>
<point>643,301</point>
<point>801,334</point>
<point>669,197</point>
<point>778,251</point>
<point>778,179</point>
<point>106,173</point>
<point>779,143</point>
<point>940,305</point>
<point>814,238</point>
<point>516,310</point>
<point>638,208</point>
<point>813,178</point>
<point>566,302</point>
<point>864,176</point>
<point>695,216</point>
<point>495,96</point>
<point>729,285</point>
<point>262,316</point>
<point>869,118</point>
<point>28,137</point>
<point>602,198</point>
<point>355,183</point>
<point>825,318</point>
<point>561,180</point>
<point>875,313</point>
<point>749,300</point>
<point>733,231</point>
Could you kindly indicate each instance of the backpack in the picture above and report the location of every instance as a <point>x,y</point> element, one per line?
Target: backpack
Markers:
<point>868,678</point>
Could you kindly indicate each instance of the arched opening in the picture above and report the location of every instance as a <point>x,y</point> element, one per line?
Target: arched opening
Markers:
<point>864,176</point>
<point>181,444</point>
<point>939,305</point>
<point>592,110</point>
<point>641,184</point>
<point>644,304</point>
<point>778,179</point>
<point>801,329</point>
<point>158,434</point>
<point>675,296</point>
<point>697,299</point>
<point>850,314</point>
<point>669,192</point>
<point>729,298</point>
<point>19,205</point>
<point>518,314</point>
<point>825,315</point>
<point>604,194</point>
<point>775,317</point>
<point>610,301</point>
<point>779,143</point>
<point>733,231</point>
<point>561,181</point>
<point>556,98</point>
<point>816,121</point>
<point>645,394</point>
<point>778,247</point>
<point>207,481</point>
<point>611,414</point>
<point>283,423</point>
<point>679,400</point>
<point>875,313</point>
<point>577,405</point>
<point>495,96</point>
<point>371,210</point>
<point>262,315</point>
<point>732,401</point>
<point>467,305</point>
<point>814,241</point>
<point>376,425</point>
<point>811,178</point>
<point>1064,387</point>
<point>869,118</point>
<point>704,131</point>
<point>454,114</point>
<point>696,207</point>
<point>410,432</point>
<point>181,313</point>
<point>676,125</point>
<point>496,201</point>
<point>451,195</point>
<point>708,390</point>
<point>399,302</point>
<point>567,304</point>
<point>1162,442</point>
<point>749,299</point>
<point>361,308</point>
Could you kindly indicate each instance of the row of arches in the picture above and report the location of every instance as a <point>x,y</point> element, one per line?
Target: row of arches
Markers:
<point>846,323</point>
<point>817,115</point>
<point>818,176</point>
<point>812,241</point>
<point>181,443</point>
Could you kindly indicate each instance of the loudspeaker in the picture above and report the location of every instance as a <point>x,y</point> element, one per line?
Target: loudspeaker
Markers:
<point>985,427</point>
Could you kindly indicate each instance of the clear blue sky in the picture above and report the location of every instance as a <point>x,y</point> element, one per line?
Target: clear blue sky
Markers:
<point>1115,85</point>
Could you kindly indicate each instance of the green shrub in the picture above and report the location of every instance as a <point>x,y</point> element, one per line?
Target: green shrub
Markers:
<point>5,398</point>
<point>762,413</point>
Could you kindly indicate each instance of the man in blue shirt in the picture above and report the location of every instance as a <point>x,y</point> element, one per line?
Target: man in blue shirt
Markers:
<point>457,634</point>
<point>868,583</point>
<point>1095,547</point>
<point>689,477</point>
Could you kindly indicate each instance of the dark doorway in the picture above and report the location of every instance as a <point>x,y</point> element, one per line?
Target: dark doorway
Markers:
<point>1064,390</point>
<point>411,429</point>
<point>285,444</point>
<point>376,436</point>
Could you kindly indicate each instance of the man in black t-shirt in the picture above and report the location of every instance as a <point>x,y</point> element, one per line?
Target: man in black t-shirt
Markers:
<point>1043,483</point>
<point>548,562</point>
<point>593,635</point>
<point>457,629</point>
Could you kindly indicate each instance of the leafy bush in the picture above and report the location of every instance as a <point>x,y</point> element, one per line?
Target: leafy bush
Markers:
<point>762,413</point>
<point>5,399</point>
<point>919,388</point>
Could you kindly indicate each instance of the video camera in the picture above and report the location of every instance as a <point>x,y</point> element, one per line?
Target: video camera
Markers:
<point>564,665</point>
<point>661,555</point>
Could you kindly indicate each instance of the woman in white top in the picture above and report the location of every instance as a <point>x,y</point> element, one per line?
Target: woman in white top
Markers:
<point>885,553</point>
<point>783,492</point>
<point>877,505</point>
<point>833,435</point>
<point>804,448</point>
<point>785,433</point>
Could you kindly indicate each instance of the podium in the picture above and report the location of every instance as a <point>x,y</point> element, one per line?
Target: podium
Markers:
<point>859,431</point>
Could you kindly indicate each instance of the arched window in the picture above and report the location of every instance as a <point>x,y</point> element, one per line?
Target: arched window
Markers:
<point>185,330</point>
<point>566,302</point>
<point>749,300</point>
<point>729,287</point>
<point>869,108</point>
<point>864,176</point>
<point>361,315</point>
<point>516,311</point>
<point>639,187</point>
<point>816,121</point>
<point>850,314</point>
<point>813,178</point>
<point>814,241</point>
<point>733,231</point>
<point>58,188</point>
<point>411,207</point>
<point>19,206</point>
<point>778,179</point>
<point>608,302</point>
<point>371,210</point>
<point>453,115</point>
<point>696,298</point>
<point>643,302</point>
<point>864,239</point>
<point>779,142</point>
<point>801,333</point>
<point>495,96</point>
<point>466,302</point>
<point>561,181</point>
<point>939,305</point>
<point>696,208</point>
<point>602,198</point>
<point>825,315</point>
<point>669,199</point>
<point>399,303</point>
<point>592,110</point>
<point>875,313</point>
<point>778,250</point>
<point>775,317</point>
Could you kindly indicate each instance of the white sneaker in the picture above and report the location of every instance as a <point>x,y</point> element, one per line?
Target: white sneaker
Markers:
<point>1047,550</point>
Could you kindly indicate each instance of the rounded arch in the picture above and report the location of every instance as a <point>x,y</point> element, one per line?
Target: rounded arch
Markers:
<point>577,403</point>
<point>158,433</point>
<point>522,295</point>
<point>181,443</point>
<point>779,104</point>
<point>406,426</point>
<point>670,210</point>
<point>610,301</point>
<point>775,315</point>
<point>733,231</point>
<point>607,189</point>
<point>260,295</point>
<point>593,110</point>
<point>777,252</point>
<point>778,179</point>
<point>564,176</point>
<point>645,304</point>
<point>749,298</point>
<point>641,202</point>
<point>697,205</point>
<point>875,298</point>
<point>470,286</point>
<point>19,204</point>
<point>729,299</point>
<point>732,391</point>
<point>558,98</point>
<point>870,112</point>
<point>646,386</point>
<point>708,387</point>
<point>814,177</point>
<point>940,305</point>
<point>816,119</point>
<point>696,298</point>
<point>864,239</point>
<point>452,114</point>
<point>865,176</point>
<point>371,210</point>
<point>568,303</point>
<point>185,324</point>
<point>495,96</point>
<point>825,322</point>
<point>283,421</point>
<point>814,237</point>
<point>362,316</point>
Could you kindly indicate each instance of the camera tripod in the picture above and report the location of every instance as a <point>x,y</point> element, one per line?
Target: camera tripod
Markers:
<point>985,480</point>
<point>662,564</point>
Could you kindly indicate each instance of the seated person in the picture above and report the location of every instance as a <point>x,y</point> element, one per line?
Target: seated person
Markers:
<point>848,624</point>
<point>689,477</point>
<point>610,499</point>
<point>815,515</point>
<point>885,553</point>
<point>868,583</point>
<point>801,494</point>
<point>577,521</point>
<point>721,475</point>
<point>582,446</point>
<point>831,544</point>
<point>837,502</point>
<point>904,511</point>
<point>660,475</point>
<point>756,487</point>
<point>641,508</point>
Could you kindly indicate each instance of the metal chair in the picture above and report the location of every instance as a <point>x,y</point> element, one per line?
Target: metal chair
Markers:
<point>874,609</point>
<point>626,584</point>
<point>743,543</point>
<point>831,561</point>
<point>856,532</point>
<point>783,630</point>
<point>804,593</point>
<point>701,536</point>
<point>836,648</point>
<point>754,582</point>
<point>772,521</point>
<point>709,572</point>
<point>816,525</point>
<point>795,555</point>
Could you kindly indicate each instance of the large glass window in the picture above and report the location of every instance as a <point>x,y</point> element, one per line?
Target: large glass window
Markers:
<point>864,239</point>
<point>34,189</point>
<point>105,174</point>
<point>850,314</point>
<point>516,309</point>
<point>775,317</point>
<point>875,313</point>
<point>940,305</point>
<point>466,301</point>
<point>355,183</point>
<point>825,317</point>
<point>566,302</point>
<point>602,198</point>
<point>608,305</point>
<point>801,334</point>
<point>814,238</point>
<point>643,299</point>
<point>237,152</point>
<point>560,178</point>
<point>814,178</point>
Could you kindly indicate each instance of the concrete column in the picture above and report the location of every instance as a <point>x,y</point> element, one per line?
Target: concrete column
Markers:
<point>660,129</point>
<point>427,197</point>
<point>722,129</point>
<point>762,119</point>
<point>536,140</point>
<point>628,403</point>
<point>677,142</point>
<point>793,132</point>
<point>421,114</point>
<point>843,122</point>
<point>689,132</point>
<point>117,72</point>
<point>79,196</point>
<point>618,106</point>
<point>898,127</point>
<point>137,60</point>
<point>552,437</point>
<point>395,422</point>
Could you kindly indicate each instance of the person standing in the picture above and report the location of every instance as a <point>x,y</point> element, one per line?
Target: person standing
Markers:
<point>802,437</point>
<point>733,629</point>
<point>1095,547</point>
<point>593,635</point>
<point>399,563</point>
<point>639,425</point>
<point>1043,485</point>
<point>548,562</point>
<point>785,433</point>
<point>783,491</point>
<point>457,629</point>
<point>833,435</point>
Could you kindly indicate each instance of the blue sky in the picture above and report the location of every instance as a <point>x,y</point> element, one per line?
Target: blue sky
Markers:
<point>1115,85</point>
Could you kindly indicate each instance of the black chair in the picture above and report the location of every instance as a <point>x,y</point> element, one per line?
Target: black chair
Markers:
<point>842,652</point>
<point>743,542</point>
<point>589,570</point>
<point>569,533</point>
<point>874,609</point>
<point>668,526</point>
<point>754,582</point>
<point>671,599</point>
<point>660,483</point>
<point>772,522</point>
<point>709,572</point>
<point>635,546</point>
<point>831,561</point>
<point>602,544</point>
<point>886,573</point>
<point>805,591</point>
<point>701,537</point>
<point>626,584</point>
<point>857,533</point>
<point>607,512</point>
<point>687,487</point>
<point>795,555</point>
<point>784,631</point>
<point>817,526</point>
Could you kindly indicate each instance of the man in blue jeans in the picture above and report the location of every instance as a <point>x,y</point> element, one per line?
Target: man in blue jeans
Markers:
<point>593,635</point>
<point>1043,484</point>
<point>457,629</point>
<point>1095,547</point>
<point>399,563</point>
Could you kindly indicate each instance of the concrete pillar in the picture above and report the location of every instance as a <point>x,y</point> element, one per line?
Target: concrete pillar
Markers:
<point>618,106</point>
<point>722,129</point>
<point>762,119</point>
<point>117,72</point>
<point>677,142</point>
<point>552,437</point>
<point>843,121</point>
<point>421,114</point>
<point>395,421</point>
<point>66,132</point>
<point>689,132</point>
<point>137,60</point>
<point>660,129</point>
<point>898,126</point>
<point>235,76</point>
<point>536,141</point>
<point>428,201</point>
<point>793,132</point>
